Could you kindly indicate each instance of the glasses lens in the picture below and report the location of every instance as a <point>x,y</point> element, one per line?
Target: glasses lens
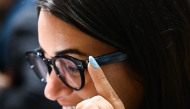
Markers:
<point>38,65</point>
<point>68,72</point>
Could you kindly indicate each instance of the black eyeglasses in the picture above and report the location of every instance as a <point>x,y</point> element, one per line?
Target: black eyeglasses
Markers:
<point>69,69</point>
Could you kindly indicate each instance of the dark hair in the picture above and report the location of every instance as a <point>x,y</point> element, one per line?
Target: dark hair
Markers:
<point>155,34</point>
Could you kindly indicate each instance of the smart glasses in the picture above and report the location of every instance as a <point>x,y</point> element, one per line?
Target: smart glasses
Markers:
<point>69,69</point>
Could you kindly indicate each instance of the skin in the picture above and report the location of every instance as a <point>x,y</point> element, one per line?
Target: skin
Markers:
<point>114,85</point>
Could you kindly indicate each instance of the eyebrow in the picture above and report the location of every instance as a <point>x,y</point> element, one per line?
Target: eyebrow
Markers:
<point>67,51</point>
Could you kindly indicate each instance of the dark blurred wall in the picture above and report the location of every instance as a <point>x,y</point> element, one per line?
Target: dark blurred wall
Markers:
<point>17,35</point>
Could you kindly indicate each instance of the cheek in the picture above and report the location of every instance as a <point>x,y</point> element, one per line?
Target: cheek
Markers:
<point>89,89</point>
<point>116,75</point>
<point>125,82</point>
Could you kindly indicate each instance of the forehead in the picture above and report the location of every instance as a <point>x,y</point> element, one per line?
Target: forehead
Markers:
<point>56,35</point>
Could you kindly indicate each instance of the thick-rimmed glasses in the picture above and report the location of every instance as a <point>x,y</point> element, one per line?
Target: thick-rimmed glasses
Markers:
<point>69,69</point>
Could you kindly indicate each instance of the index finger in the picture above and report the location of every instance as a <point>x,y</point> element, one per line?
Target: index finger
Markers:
<point>102,85</point>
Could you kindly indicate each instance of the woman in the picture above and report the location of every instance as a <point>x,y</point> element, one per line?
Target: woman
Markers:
<point>142,48</point>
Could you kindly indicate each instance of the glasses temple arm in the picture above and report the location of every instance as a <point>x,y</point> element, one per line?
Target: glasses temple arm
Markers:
<point>108,59</point>
<point>111,58</point>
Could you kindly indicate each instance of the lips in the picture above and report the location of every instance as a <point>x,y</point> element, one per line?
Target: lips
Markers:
<point>66,104</point>
<point>68,107</point>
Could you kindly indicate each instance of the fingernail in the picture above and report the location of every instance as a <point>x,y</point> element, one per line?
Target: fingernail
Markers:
<point>93,62</point>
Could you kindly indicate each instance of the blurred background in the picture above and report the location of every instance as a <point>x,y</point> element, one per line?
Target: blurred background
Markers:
<point>19,86</point>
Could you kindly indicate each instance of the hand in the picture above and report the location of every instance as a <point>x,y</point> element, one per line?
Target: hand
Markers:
<point>107,98</point>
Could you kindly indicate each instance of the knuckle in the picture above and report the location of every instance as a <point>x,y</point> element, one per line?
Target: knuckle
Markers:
<point>111,95</point>
<point>102,79</point>
<point>97,98</point>
<point>90,106</point>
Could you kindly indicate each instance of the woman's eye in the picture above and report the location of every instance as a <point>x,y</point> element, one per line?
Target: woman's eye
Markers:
<point>73,69</point>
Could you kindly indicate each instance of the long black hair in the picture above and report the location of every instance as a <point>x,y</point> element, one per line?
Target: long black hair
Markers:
<point>155,34</point>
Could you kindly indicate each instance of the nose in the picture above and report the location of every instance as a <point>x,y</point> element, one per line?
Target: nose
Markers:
<point>55,89</point>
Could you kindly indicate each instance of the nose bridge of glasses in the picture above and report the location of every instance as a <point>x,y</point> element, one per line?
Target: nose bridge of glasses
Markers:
<point>49,64</point>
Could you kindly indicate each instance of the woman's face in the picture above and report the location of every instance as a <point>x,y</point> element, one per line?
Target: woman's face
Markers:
<point>56,36</point>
